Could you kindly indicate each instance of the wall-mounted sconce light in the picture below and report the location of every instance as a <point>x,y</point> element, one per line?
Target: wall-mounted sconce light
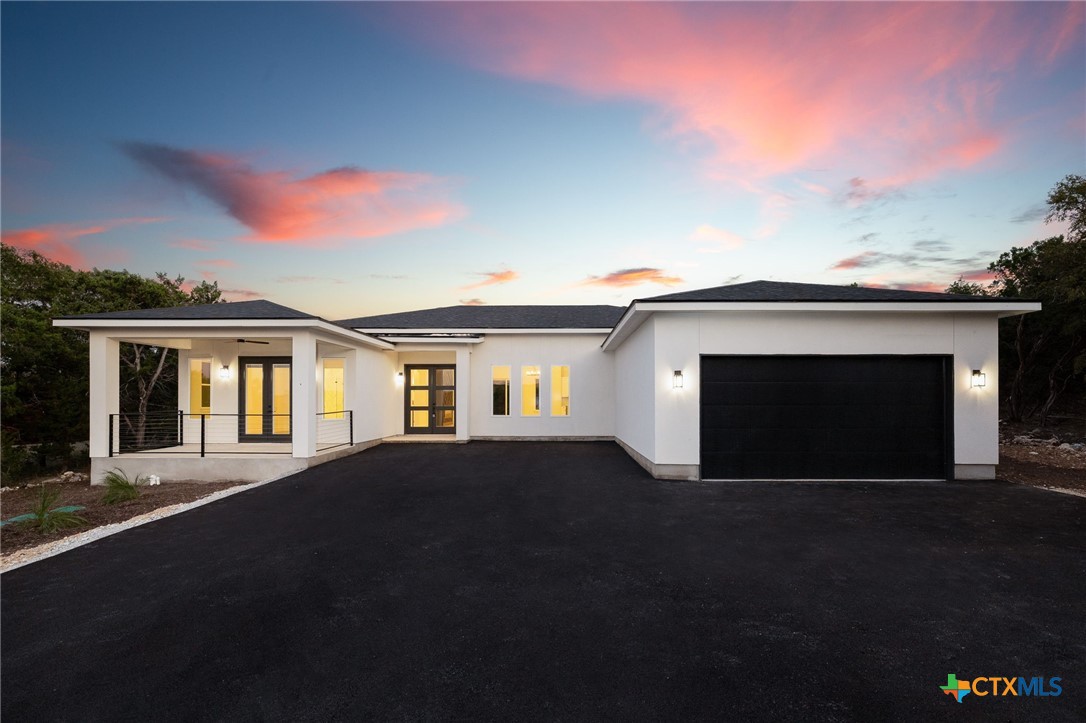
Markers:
<point>399,379</point>
<point>677,379</point>
<point>977,379</point>
<point>224,372</point>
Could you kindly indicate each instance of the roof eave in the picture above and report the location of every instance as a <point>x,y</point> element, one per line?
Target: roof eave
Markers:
<point>639,310</point>
<point>155,325</point>
<point>379,331</point>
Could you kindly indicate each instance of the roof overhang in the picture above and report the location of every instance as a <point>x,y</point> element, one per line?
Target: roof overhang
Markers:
<point>436,339</point>
<point>637,312</point>
<point>154,327</point>
<point>423,332</point>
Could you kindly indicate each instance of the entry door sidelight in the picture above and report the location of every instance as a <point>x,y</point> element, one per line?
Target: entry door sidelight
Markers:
<point>430,399</point>
<point>264,399</point>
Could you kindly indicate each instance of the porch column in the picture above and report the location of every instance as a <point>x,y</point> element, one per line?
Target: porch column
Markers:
<point>463,392</point>
<point>105,390</point>
<point>303,413</point>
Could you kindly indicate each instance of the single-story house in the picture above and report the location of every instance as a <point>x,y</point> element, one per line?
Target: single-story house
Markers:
<point>759,380</point>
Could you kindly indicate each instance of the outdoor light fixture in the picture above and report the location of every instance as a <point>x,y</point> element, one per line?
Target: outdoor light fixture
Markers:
<point>978,379</point>
<point>399,378</point>
<point>224,373</point>
<point>677,379</point>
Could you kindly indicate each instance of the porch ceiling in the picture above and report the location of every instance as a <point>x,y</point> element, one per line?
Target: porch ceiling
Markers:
<point>205,343</point>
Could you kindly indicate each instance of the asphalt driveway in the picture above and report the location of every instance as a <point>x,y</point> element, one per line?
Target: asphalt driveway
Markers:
<point>540,581</point>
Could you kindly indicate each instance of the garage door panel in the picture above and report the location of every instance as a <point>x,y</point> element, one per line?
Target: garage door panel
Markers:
<point>824,417</point>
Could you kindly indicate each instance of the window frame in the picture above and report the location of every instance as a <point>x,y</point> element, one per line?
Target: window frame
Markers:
<point>195,412</point>
<point>508,391</point>
<point>569,403</point>
<point>538,390</point>
<point>340,413</point>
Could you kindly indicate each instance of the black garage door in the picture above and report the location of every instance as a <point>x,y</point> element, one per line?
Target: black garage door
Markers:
<point>825,417</point>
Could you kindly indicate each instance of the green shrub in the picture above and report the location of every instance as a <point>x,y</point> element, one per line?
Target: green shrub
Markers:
<point>119,488</point>
<point>46,519</point>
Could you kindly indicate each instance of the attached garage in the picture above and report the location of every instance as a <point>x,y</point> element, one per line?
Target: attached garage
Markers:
<point>773,380</point>
<point>826,417</point>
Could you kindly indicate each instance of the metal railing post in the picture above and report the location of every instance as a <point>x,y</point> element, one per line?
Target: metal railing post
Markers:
<point>203,433</point>
<point>350,425</point>
<point>111,435</point>
<point>180,427</point>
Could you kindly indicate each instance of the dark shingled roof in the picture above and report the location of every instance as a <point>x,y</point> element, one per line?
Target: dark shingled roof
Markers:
<point>788,291</point>
<point>494,317</point>
<point>259,309</point>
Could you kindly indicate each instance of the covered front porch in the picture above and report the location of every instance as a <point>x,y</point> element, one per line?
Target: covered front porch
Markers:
<point>255,398</point>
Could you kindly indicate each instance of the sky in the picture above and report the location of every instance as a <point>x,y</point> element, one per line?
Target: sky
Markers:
<point>349,159</point>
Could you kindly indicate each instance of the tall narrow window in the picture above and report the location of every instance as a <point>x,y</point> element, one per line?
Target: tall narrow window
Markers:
<point>333,389</point>
<point>199,386</point>
<point>560,391</point>
<point>529,391</point>
<point>500,381</point>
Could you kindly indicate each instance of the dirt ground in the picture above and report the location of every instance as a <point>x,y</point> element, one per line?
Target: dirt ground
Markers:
<point>1031,455</point>
<point>1042,466</point>
<point>18,501</point>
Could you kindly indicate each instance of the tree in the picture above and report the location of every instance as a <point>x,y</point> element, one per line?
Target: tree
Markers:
<point>1067,202</point>
<point>966,288</point>
<point>1044,353</point>
<point>43,369</point>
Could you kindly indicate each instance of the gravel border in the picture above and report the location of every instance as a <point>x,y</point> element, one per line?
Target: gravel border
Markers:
<point>1061,490</point>
<point>24,557</point>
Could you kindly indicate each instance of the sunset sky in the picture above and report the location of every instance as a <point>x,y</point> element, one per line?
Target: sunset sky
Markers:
<point>352,159</point>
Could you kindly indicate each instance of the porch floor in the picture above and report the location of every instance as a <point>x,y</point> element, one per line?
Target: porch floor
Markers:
<point>423,439</point>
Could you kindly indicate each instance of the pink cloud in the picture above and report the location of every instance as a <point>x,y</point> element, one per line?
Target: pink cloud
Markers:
<point>892,92</point>
<point>240,294</point>
<point>324,208</point>
<point>879,282</point>
<point>473,302</point>
<point>716,239</point>
<point>982,276</point>
<point>57,241</point>
<point>859,261</point>
<point>192,245</point>
<point>632,277</point>
<point>220,263</point>
<point>492,278</point>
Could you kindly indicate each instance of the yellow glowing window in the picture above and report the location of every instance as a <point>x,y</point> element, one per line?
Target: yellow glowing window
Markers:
<point>560,391</point>
<point>333,389</point>
<point>199,386</point>
<point>501,380</point>
<point>281,399</point>
<point>529,391</point>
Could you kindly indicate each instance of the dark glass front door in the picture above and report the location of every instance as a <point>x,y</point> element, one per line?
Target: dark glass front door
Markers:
<point>264,399</point>
<point>429,399</point>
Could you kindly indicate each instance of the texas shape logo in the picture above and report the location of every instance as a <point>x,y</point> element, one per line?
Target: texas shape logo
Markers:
<point>957,688</point>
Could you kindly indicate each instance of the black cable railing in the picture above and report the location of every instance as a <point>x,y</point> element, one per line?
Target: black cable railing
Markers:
<point>335,429</point>
<point>179,432</point>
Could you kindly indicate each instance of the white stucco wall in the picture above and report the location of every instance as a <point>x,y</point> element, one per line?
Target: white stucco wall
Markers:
<point>679,339</point>
<point>377,399</point>
<point>592,403</point>
<point>636,385</point>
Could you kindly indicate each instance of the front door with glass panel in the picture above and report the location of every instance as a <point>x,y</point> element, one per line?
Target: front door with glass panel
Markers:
<point>264,399</point>
<point>430,400</point>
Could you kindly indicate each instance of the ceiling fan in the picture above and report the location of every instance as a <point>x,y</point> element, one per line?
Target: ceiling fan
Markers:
<point>252,341</point>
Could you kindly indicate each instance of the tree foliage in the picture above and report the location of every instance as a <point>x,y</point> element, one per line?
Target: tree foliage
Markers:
<point>1043,354</point>
<point>44,369</point>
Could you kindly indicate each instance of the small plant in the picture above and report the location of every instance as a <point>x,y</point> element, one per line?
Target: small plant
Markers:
<point>119,488</point>
<point>45,519</point>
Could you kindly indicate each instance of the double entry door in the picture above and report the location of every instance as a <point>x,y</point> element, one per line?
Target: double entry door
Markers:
<point>430,399</point>
<point>264,399</point>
